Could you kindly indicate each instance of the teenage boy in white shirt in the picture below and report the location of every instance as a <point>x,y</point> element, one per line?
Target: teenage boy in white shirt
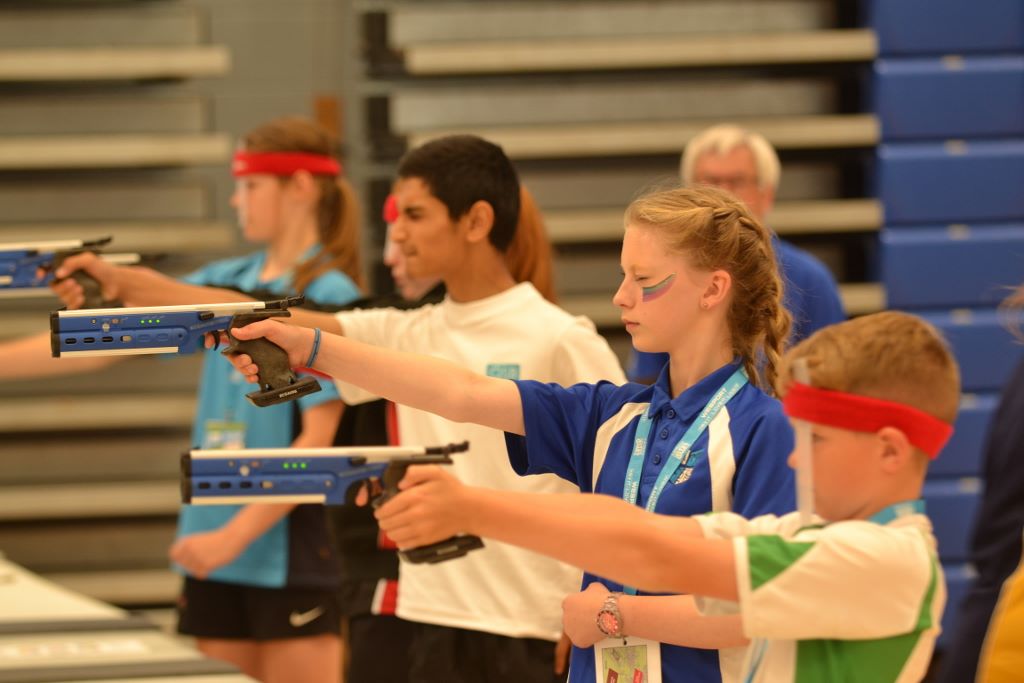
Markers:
<point>494,615</point>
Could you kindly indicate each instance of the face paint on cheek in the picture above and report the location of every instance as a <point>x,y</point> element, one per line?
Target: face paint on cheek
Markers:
<point>655,291</point>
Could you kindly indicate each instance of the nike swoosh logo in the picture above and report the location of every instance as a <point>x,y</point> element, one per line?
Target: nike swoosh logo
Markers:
<point>300,619</point>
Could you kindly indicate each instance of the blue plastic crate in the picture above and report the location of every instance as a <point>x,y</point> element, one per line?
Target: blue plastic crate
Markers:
<point>960,266</point>
<point>951,97</point>
<point>963,453</point>
<point>951,182</point>
<point>951,504</point>
<point>946,26</point>
<point>984,348</point>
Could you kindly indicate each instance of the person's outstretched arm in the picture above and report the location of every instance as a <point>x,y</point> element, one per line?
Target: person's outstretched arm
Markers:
<point>601,534</point>
<point>671,619</point>
<point>418,381</point>
<point>140,286</point>
<point>30,358</point>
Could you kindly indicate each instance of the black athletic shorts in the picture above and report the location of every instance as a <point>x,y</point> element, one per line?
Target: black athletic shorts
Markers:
<point>440,654</point>
<point>211,609</point>
<point>378,649</point>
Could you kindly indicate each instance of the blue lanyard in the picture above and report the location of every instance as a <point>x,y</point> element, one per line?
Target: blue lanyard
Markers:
<point>680,455</point>
<point>757,647</point>
<point>897,510</point>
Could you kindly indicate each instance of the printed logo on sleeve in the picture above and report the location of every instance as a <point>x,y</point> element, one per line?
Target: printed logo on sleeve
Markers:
<point>503,370</point>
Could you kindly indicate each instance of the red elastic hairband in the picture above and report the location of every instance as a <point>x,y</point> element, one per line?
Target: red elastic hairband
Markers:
<point>283,163</point>
<point>390,209</point>
<point>863,414</point>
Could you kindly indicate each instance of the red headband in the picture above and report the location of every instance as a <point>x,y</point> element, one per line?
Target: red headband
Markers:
<point>863,414</point>
<point>283,163</point>
<point>390,209</point>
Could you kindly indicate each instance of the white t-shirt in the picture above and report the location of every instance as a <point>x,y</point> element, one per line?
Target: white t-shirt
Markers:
<point>851,601</point>
<point>516,334</point>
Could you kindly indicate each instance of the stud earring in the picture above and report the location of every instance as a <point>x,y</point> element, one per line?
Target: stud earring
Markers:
<point>705,305</point>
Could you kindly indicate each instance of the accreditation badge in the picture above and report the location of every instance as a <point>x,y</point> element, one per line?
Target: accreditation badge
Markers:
<point>224,434</point>
<point>627,660</point>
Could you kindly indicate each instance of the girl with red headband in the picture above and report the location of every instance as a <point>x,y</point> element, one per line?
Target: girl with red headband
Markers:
<point>260,581</point>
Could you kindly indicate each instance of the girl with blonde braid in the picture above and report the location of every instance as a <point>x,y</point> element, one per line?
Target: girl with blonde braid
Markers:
<point>700,282</point>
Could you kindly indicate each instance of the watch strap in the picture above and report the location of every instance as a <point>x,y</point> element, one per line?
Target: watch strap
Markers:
<point>609,612</point>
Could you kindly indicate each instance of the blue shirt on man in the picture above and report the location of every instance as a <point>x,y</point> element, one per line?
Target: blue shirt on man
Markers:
<point>585,434</point>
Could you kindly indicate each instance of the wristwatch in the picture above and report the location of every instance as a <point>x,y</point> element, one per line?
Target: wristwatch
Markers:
<point>609,619</point>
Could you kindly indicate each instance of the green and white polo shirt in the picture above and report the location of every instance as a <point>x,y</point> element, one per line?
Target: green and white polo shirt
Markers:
<point>853,601</point>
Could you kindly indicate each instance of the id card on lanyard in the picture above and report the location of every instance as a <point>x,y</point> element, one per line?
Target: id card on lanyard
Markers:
<point>224,434</point>
<point>627,660</point>
<point>680,456</point>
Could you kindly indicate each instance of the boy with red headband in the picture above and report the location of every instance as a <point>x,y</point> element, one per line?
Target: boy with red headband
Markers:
<point>857,595</point>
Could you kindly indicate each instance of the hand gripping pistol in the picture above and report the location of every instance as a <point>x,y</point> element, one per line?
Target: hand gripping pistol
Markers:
<point>180,329</point>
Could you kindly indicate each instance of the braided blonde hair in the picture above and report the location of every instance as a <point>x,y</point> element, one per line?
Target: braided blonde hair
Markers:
<point>715,231</point>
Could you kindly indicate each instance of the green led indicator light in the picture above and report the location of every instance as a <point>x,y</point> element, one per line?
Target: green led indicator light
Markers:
<point>303,465</point>
<point>158,320</point>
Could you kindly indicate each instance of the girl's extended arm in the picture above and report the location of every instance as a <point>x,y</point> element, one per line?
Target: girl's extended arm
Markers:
<point>30,357</point>
<point>675,619</point>
<point>139,286</point>
<point>672,619</point>
<point>417,381</point>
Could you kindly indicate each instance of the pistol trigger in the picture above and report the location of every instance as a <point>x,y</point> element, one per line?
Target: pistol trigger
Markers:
<point>376,492</point>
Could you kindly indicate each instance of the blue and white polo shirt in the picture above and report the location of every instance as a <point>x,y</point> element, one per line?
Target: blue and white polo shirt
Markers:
<point>585,434</point>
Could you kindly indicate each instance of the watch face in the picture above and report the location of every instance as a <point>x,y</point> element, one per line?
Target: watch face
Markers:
<point>608,623</point>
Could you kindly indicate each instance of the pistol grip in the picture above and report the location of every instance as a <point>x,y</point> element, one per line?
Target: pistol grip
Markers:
<point>277,381</point>
<point>442,551</point>
<point>92,292</point>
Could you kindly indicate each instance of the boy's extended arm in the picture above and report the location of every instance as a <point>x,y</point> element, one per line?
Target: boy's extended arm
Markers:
<point>603,535</point>
<point>431,384</point>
